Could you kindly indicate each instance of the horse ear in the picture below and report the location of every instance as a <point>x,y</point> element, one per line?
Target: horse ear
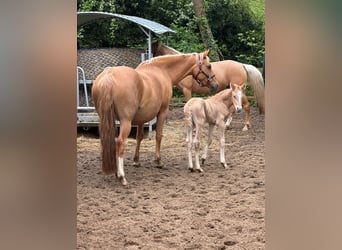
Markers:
<point>206,53</point>
<point>232,85</point>
<point>244,86</point>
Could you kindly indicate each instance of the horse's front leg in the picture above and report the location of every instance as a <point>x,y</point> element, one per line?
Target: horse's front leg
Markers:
<point>161,117</point>
<point>247,107</point>
<point>187,92</point>
<point>230,117</point>
<point>125,128</point>
<point>222,144</point>
<point>139,138</point>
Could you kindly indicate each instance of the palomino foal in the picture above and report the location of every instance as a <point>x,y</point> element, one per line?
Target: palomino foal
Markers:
<point>213,111</point>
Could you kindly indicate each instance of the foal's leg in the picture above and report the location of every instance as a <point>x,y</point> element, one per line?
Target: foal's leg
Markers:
<point>139,138</point>
<point>125,128</point>
<point>210,139</point>
<point>197,144</point>
<point>189,143</point>
<point>247,107</point>
<point>230,117</point>
<point>220,129</point>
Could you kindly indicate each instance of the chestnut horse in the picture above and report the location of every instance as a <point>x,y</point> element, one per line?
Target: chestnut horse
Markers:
<point>225,72</point>
<point>136,96</point>
<point>214,111</point>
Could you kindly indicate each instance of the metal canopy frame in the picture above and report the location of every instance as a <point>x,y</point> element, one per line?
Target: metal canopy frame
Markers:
<point>84,18</point>
<point>86,116</point>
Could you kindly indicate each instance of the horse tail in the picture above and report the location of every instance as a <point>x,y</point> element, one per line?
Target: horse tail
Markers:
<point>104,102</point>
<point>205,107</point>
<point>189,121</point>
<point>257,83</point>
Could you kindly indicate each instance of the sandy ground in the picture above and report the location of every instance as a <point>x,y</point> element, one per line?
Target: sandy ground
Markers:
<point>170,207</point>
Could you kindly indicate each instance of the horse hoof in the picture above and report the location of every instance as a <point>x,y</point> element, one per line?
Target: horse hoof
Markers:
<point>158,164</point>
<point>136,164</point>
<point>123,181</point>
<point>246,127</point>
<point>224,165</point>
<point>203,160</point>
<point>199,170</point>
<point>191,170</point>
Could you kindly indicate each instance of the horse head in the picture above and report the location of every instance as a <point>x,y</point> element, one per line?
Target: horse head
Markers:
<point>204,76</point>
<point>237,93</point>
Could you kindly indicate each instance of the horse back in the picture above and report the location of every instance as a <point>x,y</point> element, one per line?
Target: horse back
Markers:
<point>229,71</point>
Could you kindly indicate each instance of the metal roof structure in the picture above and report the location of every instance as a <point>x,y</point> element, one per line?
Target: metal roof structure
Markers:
<point>84,18</point>
<point>91,16</point>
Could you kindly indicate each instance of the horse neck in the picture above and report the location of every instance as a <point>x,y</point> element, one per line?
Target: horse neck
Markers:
<point>177,67</point>
<point>164,50</point>
<point>224,97</point>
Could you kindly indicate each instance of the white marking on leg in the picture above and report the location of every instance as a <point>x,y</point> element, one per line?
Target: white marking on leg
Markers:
<point>229,120</point>
<point>245,128</point>
<point>121,172</point>
<point>205,153</point>
<point>197,153</point>
<point>209,141</point>
<point>190,154</point>
<point>197,163</point>
<point>222,156</point>
<point>189,144</point>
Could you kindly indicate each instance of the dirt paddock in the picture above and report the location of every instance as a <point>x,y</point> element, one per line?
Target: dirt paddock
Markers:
<point>170,207</point>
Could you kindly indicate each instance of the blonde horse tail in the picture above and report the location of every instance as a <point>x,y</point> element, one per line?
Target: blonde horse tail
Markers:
<point>104,102</point>
<point>257,83</point>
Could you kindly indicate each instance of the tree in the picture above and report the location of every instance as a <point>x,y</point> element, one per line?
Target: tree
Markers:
<point>206,34</point>
<point>232,29</point>
<point>239,32</point>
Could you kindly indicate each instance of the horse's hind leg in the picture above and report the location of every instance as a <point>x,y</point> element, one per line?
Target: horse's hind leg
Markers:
<point>159,134</point>
<point>197,145</point>
<point>139,138</point>
<point>189,144</point>
<point>210,139</point>
<point>125,128</point>
<point>247,108</point>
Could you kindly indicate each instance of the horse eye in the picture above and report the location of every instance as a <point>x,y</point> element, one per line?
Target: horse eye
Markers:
<point>209,66</point>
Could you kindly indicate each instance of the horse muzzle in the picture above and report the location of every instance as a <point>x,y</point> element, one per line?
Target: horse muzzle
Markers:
<point>213,87</point>
<point>238,109</point>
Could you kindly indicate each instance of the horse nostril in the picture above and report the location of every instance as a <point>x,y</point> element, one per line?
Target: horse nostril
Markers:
<point>213,87</point>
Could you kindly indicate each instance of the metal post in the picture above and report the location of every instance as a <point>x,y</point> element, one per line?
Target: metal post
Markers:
<point>149,45</point>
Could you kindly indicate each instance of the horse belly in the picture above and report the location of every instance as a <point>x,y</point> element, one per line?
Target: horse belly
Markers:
<point>145,115</point>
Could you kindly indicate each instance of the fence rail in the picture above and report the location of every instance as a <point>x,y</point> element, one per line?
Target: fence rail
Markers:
<point>177,102</point>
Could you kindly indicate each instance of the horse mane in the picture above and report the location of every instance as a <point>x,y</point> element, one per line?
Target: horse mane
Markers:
<point>221,95</point>
<point>172,50</point>
<point>159,59</point>
<point>157,46</point>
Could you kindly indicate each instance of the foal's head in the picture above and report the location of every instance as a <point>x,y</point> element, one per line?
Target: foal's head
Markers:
<point>203,74</point>
<point>237,93</point>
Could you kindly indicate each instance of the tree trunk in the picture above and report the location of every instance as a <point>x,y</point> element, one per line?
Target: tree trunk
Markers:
<point>206,34</point>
